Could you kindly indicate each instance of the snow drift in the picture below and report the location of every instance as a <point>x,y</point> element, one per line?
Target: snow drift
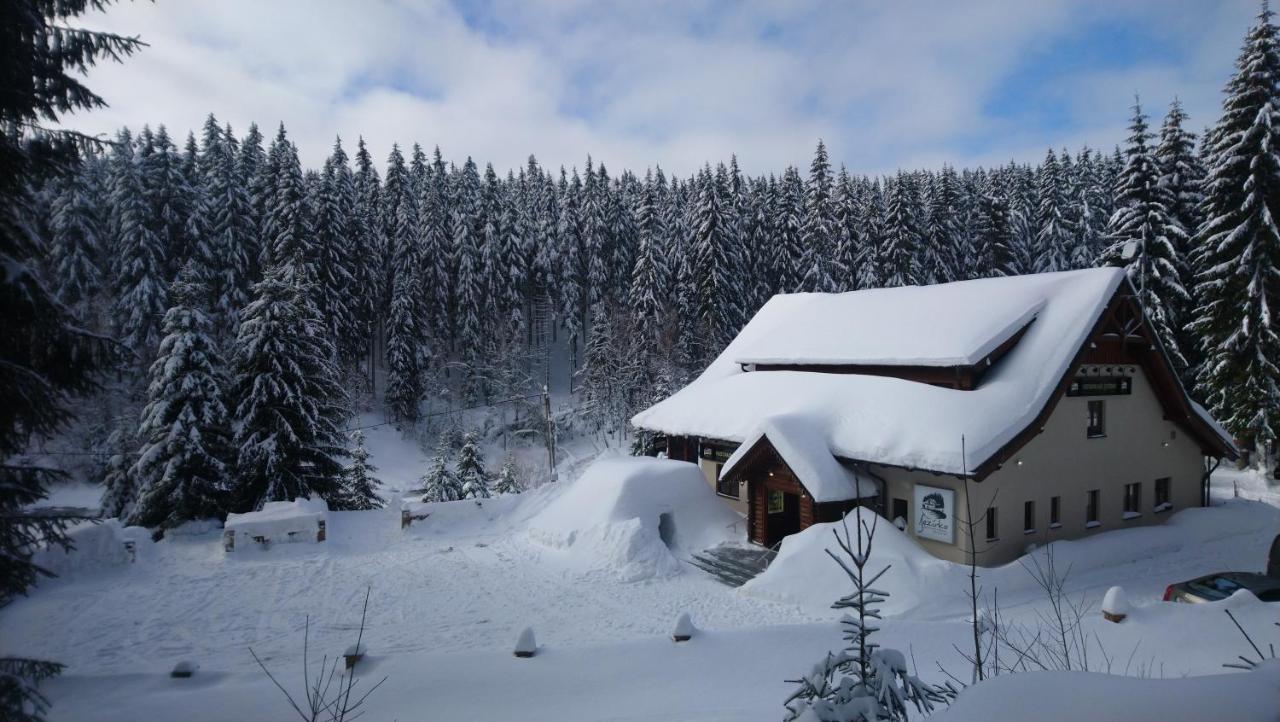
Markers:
<point>631,516</point>
<point>96,546</point>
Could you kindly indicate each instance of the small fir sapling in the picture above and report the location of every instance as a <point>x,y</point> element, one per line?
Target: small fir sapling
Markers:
<point>358,481</point>
<point>508,481</point>
<point>862,682</point>
<point>470,471</point>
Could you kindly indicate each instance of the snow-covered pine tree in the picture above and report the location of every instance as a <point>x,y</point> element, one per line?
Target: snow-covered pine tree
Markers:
<point>902,234</point>
<point>1238,284</point>
<point>77,236</point>
<point>472,478</point>
<point>508,481</point>
<point>716,267</point>
<point>1182,176</point>
<point>818,230</point>
<point>439,483</point>
<point>1054,237</point>
<point>287,236</point>
<point>336,263</point>
<point>226,221</point>
<point>867,264</point>
<point>469,281</point>
<point>359,485</point>
<point>648,296</point>
<point>367,293</point>
<point>289,405</point>
<point>572,271</point>
<point>46,356</point>
<point>863,682</point>
<point>404,333</point>
<point>170,199</point>
<point>254,170</point>
<point>119,488</point>
<point>435,246</point>
<point>789,229</point>
<point>181,470</point>
<point>1144,238</point>
<point>141,296</point>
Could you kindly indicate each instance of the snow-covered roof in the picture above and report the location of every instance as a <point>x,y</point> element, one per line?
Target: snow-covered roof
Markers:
<point>953,324</point>
<point>894,421</point>
<point>801,444</point>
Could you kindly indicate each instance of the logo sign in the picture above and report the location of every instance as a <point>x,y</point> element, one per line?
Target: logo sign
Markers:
<point>935,513</point>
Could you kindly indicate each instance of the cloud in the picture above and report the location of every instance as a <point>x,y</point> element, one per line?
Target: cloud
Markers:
<point>887,85</point>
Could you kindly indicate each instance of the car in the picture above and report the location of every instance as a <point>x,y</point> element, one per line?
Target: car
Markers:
<point>1213,587</point>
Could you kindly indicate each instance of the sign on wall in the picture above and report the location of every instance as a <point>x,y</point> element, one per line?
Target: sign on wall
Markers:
<point>935,513</point>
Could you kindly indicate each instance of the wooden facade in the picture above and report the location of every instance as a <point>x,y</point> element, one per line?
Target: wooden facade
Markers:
<point>791,508</point>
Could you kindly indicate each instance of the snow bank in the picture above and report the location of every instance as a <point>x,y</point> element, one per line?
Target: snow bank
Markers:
<point>1075,696</point>
<point>628,515</point>
<point>300,520</point>
<point>804,574</point>
<point>97,546</point>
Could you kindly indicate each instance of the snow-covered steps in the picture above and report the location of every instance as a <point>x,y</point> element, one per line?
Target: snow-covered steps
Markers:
<point>734,565</point>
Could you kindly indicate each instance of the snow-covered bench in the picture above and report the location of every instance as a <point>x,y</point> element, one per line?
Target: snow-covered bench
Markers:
<point>300,520</point>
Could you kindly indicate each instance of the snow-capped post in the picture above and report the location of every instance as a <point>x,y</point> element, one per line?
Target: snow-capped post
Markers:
<point>353,654</point>
<point>684,628</point>
<point>526,646</point>
<point>1115,605</point>
<point>184,669</point>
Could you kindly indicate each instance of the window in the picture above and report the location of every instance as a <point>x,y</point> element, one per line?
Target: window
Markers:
<point>1029,517</point>
<point>900,510</point>
<point>1132,500</point>
<point>723,487</point>
<point>992,525</point>
<point>1162,502</point>
<point>1091,509</point>
<point>1097,419</point>
<point>1055,512</point>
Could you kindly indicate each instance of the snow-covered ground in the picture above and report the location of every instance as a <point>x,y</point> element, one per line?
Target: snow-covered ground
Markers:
<point>451,594</point>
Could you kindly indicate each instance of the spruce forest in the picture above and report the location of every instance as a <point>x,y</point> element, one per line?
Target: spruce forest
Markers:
<point>258,304</point>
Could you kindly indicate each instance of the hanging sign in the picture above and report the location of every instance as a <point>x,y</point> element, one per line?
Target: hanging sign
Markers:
<point>935,513</point>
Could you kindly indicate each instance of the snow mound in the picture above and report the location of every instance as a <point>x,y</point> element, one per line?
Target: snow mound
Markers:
<point>803,573</point>
<point>1116,602</point>
<point>1074,696</point>
<point>630,516</point>
<point>279,521</point>
<point>97,546</point>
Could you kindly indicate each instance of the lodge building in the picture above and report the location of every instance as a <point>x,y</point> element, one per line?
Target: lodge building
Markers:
<point>1041,406</point>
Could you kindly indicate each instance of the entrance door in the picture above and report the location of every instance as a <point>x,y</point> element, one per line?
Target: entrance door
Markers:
<point>782,515</point>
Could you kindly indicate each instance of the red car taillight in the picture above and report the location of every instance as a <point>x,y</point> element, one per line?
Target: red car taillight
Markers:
<point>1168,593</point>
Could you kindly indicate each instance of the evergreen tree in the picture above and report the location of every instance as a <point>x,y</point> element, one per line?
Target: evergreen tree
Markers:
<point>359,486</point>
<point>181,472</point>
<point>120,490</point>
<point>289,404</point>
<point>141,288</point>
<point>1182,176</point>
<point>817,235</point>
<point>45,357</point>
<point>863,682</point>
<point>508,481</point>
<point>439,483</point>
<point>716,267</point>
<point>1053,234</point>
<point>77,243</point>
<point>470,472</point>
<point>228,230</point>
<point>1239,284</point>
<point>902,235</point>
<point>1144,238</point>
<point>790,240</point>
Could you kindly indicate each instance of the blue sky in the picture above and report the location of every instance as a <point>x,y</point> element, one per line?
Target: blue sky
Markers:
<point>676,83</point>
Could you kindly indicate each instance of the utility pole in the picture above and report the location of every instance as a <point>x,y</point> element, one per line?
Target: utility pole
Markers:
<point>551,432</point>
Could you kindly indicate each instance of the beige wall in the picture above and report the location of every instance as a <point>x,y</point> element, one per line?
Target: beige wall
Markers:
<point>1063,461</point>
<point>709,471</point>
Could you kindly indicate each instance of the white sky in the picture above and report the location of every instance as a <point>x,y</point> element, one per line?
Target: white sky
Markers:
<point>910,84</point>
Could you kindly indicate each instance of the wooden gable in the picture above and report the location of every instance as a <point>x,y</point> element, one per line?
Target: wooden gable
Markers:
<point>1122,335</point>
